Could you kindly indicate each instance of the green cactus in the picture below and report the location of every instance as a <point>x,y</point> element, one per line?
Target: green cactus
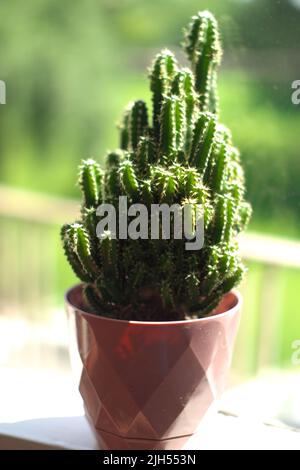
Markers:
<point>182,155</point>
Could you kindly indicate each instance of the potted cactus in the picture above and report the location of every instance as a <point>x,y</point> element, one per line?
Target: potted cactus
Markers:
<point>155,323</point>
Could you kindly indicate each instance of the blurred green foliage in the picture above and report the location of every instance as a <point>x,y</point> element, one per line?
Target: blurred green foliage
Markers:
<point>70,67</point>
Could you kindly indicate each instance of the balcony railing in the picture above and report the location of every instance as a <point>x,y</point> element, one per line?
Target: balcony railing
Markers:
<point>34,276</point>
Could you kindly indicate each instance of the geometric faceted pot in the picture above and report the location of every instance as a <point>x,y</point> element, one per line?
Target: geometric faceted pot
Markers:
<point>148,385</point>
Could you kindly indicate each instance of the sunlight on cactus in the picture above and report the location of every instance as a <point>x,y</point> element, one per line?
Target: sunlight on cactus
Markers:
<point>181,153</point>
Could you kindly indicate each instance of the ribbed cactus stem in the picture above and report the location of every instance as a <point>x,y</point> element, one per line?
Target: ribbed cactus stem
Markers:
<point>146,191</point>
<point>125,129</point>
<point>108,255</point>
<point>220,219</point>
<point>205,146</point>
<point>233,280</point>
<point>145,155</point>
<point>82,246</point>
<point>193,182</point>
<point>113,159</point>
<point>90,221</point>
<point>128,178</point>
<point>166,185</point>
<point>92,298</point>
<point>202,46</point>
<point>221,157</point>
<point>91,182</point>
<point>181,124</point>
<point>161,74</point>
<point>231,210</point>
<point>183,87</point>
<point>69,249</point>
<point>197,136</point>
<point>168,126</point>
<point>134,125</point>
<point>244,214</point>
<point>138,122</point>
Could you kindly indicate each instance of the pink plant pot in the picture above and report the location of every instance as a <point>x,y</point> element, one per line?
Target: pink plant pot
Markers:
<point>149,385</point>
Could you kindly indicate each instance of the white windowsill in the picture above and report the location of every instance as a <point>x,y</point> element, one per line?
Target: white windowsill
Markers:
<point>43,410</point>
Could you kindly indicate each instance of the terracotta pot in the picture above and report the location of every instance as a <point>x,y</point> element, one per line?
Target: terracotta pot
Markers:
<point>149,385</point>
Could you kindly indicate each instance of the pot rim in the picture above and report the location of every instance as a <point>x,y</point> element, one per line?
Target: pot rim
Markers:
<point>237,303</point>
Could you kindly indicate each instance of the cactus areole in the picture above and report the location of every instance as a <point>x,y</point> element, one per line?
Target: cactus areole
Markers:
<point>177,153</point>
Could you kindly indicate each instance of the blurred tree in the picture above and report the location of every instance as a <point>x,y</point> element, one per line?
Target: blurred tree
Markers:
<point>269,23</point>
